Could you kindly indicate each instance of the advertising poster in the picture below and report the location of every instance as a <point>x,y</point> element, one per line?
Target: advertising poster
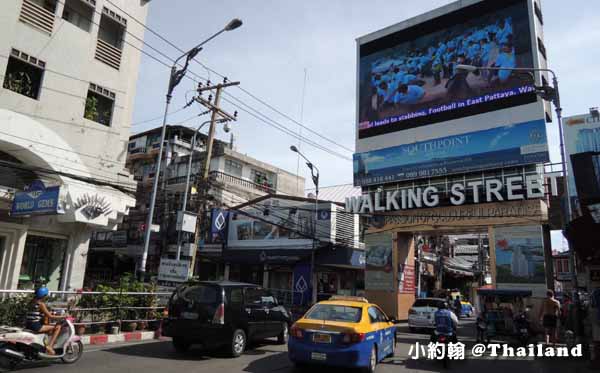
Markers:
<point>379,271</point>
<point>582,135</point>
<point>410,78</point>
<point>519,255</point>
<point>508,146</point>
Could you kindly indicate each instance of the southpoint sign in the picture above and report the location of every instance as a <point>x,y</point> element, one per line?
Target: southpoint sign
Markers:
<point>491,190</point>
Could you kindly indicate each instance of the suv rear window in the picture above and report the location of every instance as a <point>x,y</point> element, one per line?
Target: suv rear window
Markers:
<point>331,312</point>
<point>428,303</point>
<point>201,294</point>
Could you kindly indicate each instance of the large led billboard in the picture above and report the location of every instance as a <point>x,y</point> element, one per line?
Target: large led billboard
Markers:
<point>410,91</point>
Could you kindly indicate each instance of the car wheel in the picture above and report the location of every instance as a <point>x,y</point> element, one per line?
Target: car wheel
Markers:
<point>283,337</point>
<point>180,344</point>
<point>238,343</point>
<point>372,360</point>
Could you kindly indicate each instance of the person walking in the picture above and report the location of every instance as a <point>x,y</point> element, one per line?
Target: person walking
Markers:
<point>549,316</point>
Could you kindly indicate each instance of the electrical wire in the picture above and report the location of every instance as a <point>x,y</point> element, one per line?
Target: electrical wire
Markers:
<point>223,76</point>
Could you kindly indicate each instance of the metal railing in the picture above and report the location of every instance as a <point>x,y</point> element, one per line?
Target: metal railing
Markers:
<point>234,180</point>
<point>37,16</point>
<point>115,314</point>
<point>108,54</point>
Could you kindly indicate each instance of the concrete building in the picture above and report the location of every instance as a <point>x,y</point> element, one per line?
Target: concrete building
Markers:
<point>69,81</point>
<point>235,179</point>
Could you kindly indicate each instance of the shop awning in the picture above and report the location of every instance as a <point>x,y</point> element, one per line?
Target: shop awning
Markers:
<point>265,256</point>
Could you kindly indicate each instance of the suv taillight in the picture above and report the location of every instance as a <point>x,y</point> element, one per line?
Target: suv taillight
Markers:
<point>412,311</point>
<point>297,332</point>
<point>219,316</point>
<point>353,337</point>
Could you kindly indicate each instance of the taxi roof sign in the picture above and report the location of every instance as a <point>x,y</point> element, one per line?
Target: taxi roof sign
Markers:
<point>349,298</point>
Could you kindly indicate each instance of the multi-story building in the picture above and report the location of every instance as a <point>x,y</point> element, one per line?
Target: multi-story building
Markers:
<point>234,177</point>
<point>69,76</point>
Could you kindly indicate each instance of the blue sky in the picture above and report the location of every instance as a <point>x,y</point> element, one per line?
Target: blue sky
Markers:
<point>281,39</point>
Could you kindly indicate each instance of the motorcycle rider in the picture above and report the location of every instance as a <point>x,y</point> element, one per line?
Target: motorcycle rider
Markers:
<point>37,312</point>
<point>446,322</point>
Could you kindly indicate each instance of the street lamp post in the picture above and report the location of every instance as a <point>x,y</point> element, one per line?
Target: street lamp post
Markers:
<point>549,94</point>
<point>314,171</point>
<point>174,79</point>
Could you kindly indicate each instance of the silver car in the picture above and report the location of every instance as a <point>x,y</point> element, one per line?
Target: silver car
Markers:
<point>421,314</point>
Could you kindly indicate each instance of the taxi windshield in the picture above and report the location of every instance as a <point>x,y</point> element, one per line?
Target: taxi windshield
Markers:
<point>332,312</point>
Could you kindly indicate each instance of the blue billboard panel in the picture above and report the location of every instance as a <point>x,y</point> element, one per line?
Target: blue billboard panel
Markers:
<point>508,146</point>
<point>36,200</point>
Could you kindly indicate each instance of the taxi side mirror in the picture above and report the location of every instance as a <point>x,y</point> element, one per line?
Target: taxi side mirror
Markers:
<point>393,320</point>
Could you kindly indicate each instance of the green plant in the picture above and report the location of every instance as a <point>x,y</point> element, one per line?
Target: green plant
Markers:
<point>92,112</point>
<point>19,82</point>
<point>13,309</point>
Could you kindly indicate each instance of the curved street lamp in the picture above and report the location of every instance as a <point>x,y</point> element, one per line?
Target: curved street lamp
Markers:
<point>174,80</point>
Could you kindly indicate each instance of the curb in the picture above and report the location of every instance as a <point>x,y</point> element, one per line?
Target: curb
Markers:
<point>115,338</point>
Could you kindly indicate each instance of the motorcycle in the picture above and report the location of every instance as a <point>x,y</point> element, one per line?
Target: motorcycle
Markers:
<point>522,328</point>
<point>19,345</point>
<point>444,339</point>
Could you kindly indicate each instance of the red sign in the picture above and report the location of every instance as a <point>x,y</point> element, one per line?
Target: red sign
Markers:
<point>408,283</point>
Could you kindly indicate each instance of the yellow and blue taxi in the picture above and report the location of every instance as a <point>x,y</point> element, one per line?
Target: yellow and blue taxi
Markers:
<point>342,331</point>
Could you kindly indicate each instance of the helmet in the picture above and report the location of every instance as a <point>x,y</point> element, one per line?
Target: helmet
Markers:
<point>444,306</point>
<point>41,292</point>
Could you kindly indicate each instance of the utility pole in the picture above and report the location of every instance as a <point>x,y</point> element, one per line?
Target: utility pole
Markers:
<point>217,115</point>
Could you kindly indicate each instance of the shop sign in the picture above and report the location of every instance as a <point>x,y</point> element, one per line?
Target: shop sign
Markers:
<point>171,270</point>
<point>37,199</point>
<point>523,212</point>
<point>492,190</point>
<point>407,284</point>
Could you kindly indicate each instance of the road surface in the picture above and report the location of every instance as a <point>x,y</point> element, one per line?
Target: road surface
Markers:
<point>268,357</point>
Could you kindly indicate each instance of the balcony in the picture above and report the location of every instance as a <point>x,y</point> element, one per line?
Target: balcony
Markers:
<point>38,14</point>
<point>235,181</point>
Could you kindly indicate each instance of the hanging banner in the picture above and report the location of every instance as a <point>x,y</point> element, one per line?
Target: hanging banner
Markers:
<point>379,271</point>
<point>302,289</point>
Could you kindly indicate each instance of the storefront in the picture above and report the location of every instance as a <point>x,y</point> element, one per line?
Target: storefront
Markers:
<point>45,231</point>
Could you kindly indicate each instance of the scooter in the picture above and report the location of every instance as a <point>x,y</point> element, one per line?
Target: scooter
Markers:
<point>522,328</point>
<point>19,345</point>
<point>444,339</point>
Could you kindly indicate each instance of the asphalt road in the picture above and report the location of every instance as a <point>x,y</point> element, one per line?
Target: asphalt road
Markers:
<point>269,357</point>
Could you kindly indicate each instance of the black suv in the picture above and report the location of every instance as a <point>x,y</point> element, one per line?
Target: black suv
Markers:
<point>223,314</point>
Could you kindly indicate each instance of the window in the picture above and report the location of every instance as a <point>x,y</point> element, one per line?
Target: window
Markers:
<point>233,168</point>
<point>542,48</point>
<point>255,296</point>
<point>375,315</point>
<point>331,312</point>
<point>201,294</point>
<point>99,105</point>
<point>236,295</point>
<point>260,177</point>
<point>24,74</point>
<point>80,13</point>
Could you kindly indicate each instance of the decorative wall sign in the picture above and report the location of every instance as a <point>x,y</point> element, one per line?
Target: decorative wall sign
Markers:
<point>92,206</point>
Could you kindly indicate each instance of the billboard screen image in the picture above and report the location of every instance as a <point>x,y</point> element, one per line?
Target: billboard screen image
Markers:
<point>507,146</point>
<point>409,78</point>
<point>520,255</point>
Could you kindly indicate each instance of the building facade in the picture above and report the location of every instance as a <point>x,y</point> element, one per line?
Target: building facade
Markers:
<point>69,78</point>
<point>234,178</point>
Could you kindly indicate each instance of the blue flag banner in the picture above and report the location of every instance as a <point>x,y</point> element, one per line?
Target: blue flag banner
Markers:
<point>219,225</point>
<point>302,286</point>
